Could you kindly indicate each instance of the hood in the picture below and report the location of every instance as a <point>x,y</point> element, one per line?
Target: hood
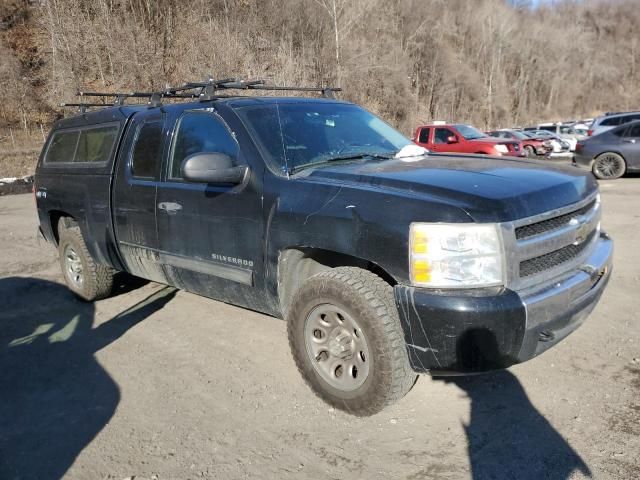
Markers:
<point>487,189</point>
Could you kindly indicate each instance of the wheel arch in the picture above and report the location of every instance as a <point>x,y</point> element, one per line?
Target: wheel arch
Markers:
<point>610,150</point>
<point>296,264</point>
<point>55,216</point>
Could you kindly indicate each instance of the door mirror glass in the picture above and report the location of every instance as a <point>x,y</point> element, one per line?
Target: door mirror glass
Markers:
<point>216,168</point>
<point>452,139</point>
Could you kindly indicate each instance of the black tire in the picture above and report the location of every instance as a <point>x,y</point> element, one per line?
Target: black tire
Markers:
<point>368,301</point>
<point>609,166</point>
<point>529,151</point>
<point>96,280</point>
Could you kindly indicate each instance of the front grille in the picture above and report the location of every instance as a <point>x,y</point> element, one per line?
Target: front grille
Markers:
<point>553,259</point>
<point>527,231</point>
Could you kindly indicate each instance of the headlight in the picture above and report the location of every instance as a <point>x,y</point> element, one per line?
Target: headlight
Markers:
<point>455,255</point>
<point>502,148</point>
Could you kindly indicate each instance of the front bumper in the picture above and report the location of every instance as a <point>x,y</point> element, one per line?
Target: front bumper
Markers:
<point>475,331</point>
<point>541,150</point>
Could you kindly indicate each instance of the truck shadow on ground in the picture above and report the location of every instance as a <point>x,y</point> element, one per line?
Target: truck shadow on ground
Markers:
<point>55,396</point>
<point>507,436</point>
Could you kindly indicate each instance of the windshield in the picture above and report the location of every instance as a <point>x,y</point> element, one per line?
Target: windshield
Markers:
<point>519,135</point>
<point>544,133</point>
<point>469,132</point>
<point>307,134</point>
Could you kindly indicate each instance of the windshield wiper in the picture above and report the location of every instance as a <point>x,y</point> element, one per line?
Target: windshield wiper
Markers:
<point>341,158</point>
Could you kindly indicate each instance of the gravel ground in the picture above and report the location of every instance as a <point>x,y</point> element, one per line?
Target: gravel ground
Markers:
<point>158,384</point>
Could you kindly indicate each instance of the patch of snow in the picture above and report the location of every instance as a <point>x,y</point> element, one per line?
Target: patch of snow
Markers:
<point>411,152</point>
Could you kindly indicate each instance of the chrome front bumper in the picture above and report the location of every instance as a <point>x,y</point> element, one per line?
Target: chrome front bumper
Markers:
<point>555,311</point>
<point>457,333</point>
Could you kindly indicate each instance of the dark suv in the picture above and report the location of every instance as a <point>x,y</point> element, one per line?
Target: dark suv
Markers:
<point>609,155</point>
<point>385,260</point>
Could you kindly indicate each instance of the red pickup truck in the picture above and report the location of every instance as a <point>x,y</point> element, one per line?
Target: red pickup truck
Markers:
<point>444,137</point>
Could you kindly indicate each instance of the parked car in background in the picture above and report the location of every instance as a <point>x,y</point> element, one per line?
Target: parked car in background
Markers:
<point>612,153</point>
<point>460,138</point>
<point>559,144</point>
<point>531,146</point>
<point>610,121</point>
<point>564,131</point>
<point>581,129</point>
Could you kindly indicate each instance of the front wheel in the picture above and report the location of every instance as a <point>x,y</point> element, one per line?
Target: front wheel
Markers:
<point>347,341</point>
<point>609,166</point>
<point>529,151</point>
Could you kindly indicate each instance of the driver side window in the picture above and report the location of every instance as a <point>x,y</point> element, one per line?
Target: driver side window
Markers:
<point>441,135</point>
<point>200,132</point>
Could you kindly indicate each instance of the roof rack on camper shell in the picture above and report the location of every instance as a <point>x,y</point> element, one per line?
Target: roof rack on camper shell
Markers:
<point>204,91</point>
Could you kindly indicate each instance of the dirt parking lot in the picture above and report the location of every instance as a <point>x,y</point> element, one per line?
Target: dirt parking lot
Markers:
<point>160,384</point>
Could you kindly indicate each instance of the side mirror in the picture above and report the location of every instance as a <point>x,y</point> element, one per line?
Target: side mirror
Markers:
<point>212,168</point>
<point>452,139</point>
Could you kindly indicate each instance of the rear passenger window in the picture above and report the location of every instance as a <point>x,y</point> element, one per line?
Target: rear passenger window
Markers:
<point>200,133</point>
<point>147,151</point>
<point>95,144</point>
<point>62,147</point>
<point>424,136</point>
<point>610,122</point>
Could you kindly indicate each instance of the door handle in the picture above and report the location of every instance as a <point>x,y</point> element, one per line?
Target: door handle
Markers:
<point>170,207</point>
<point>632,140</point>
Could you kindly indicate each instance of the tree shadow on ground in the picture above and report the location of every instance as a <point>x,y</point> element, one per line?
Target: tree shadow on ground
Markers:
<point>507,437</point>
<point>55,397</point>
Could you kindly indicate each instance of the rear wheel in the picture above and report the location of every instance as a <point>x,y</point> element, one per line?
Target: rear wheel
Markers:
<point>87,279</point>
<point>609,166</point>
<point>346,339</point>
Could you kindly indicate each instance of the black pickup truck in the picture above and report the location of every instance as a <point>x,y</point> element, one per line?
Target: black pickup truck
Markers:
<point>385,260</point>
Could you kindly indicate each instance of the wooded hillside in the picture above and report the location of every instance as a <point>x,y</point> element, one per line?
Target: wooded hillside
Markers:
<point>485,62</point>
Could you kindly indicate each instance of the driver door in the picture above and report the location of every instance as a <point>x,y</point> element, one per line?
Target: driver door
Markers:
<point>440,140</point>
<point>210,236</point>
<point>630,146</point>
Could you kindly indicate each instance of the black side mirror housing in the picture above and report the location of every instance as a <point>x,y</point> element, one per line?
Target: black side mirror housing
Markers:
<point>215,168</point>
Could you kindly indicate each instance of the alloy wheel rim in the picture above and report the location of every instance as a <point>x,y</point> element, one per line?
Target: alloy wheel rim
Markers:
<point>337,347</point>
<point>608,166</point>
<point>73,265</point>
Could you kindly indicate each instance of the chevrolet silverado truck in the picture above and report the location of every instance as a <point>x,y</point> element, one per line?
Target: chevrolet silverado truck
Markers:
<point>386,260</point>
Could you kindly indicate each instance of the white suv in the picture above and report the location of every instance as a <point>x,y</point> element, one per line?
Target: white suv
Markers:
<point>607,122</point>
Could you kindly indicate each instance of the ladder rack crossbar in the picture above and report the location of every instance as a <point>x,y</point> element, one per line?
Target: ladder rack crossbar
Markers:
<point>204,91</point>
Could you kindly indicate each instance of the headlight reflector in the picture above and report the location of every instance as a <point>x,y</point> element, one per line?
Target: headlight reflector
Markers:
<point>502,148</point>
<point>455,255</point>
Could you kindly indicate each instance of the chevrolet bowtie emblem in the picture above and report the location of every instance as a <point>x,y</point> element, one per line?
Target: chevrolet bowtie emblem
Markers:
<point>581,232</point>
